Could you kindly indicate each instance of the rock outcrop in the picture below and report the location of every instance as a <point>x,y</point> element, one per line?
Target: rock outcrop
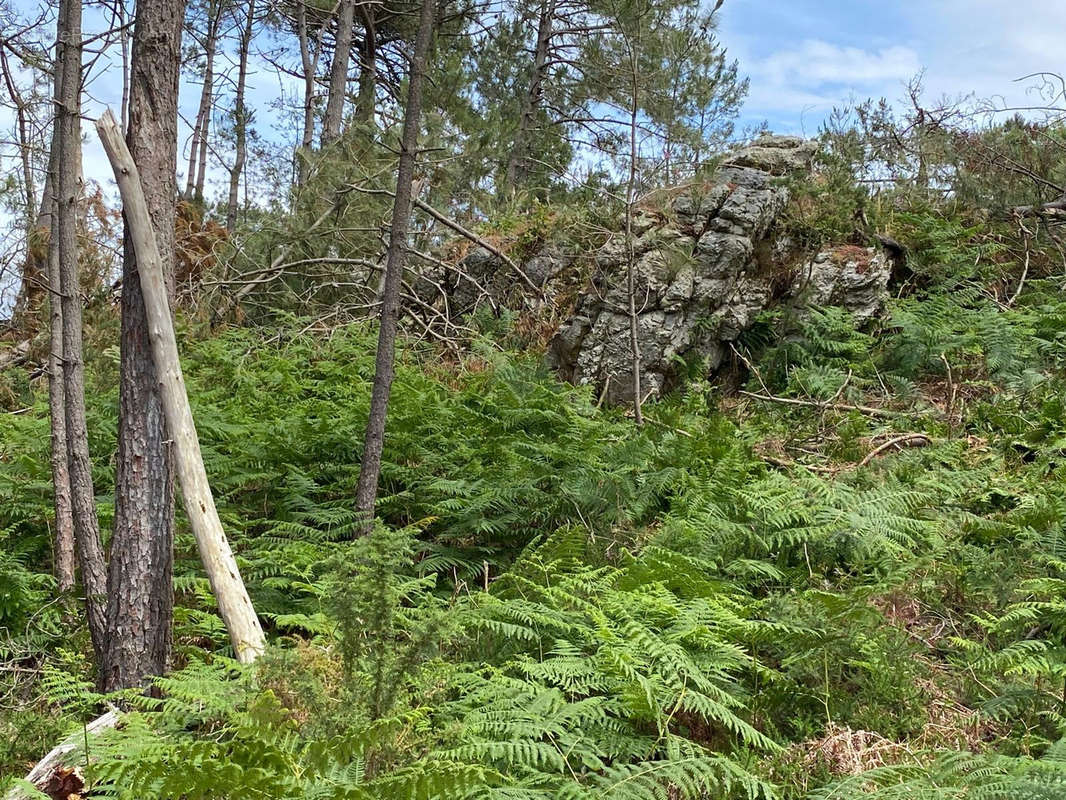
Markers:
<point>702,278</point>
<point>706,266</point>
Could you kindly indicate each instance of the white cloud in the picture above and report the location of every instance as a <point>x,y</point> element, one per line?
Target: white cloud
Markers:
<point>817,63</point>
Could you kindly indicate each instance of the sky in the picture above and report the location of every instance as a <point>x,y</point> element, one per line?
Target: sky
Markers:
<point>806,56</point>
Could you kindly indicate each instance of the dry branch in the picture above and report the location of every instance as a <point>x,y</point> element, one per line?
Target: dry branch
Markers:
<point>234,604</point>
<point>793,401</point>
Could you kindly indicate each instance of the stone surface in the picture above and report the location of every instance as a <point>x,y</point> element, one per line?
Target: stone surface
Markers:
<point>701,279</point>
<point>705,268</point>
<point>852,277</point>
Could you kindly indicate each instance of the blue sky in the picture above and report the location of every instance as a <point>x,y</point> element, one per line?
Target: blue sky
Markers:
<point>805,56</point>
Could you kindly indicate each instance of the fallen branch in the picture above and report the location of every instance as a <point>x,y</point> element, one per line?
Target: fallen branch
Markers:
<point>235,606</point>
<point>906,440</point>
<point>793,401</point>
<point>13,356</point>
<point>63,756</point>
<point>455,226</point>
<point>1054,208</point>
<point>448,222</point>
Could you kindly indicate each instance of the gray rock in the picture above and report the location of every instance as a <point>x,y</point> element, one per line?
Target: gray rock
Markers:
<point>775,155</point>
<point>702,284</point>
<point>704,270</point>
<point>855,278</point>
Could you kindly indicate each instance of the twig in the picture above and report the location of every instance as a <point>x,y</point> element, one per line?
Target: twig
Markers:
<point>908,439</point>
<point>793,401</point>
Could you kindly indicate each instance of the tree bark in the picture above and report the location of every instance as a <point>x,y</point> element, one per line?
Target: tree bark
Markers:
<point>366,101</point>
<point>194,182</point>
<point>384,364</point>
<point>67,181</point>
<point>517,161</point>
<point>63,535</point>
<point>338,73</point>
<point>309,62</point>
<point>240,114</point>
<point>221,567</point>
<point>631,256</point>
<point>140,585</point>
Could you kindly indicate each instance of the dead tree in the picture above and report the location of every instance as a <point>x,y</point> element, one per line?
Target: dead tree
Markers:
<point>140,586</point>
<point>245,632</point>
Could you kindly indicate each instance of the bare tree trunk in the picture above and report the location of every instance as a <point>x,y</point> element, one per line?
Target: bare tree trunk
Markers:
<point>63,535</point>
<point>338,74</point>
<point>384,364</point>
<point>67,181</point>
<point>194,182</point>
<point>631,257</point>
<point>366,101</point>
<point>219,563</point>
<point>309,63</point>
<point>34,271</point>
<point>240,114</point>
<point>517,163</point>
<point>124,47</point>
<point>140,586</point>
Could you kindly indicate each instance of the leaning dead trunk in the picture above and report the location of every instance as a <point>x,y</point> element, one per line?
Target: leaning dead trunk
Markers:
<point>384,364</point>
<point>245,632</point>
<point>139,582</point>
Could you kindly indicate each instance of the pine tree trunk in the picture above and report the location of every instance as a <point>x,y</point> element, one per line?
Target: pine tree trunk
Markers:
<point>338,74</point>
<point>63,535</point>
<point>384,364</point>
<point>309,63</point>
<point>517,161</point>
<point>366,101</point>
<point>140,585</point>
<point>194,182</point>
<point>631,256</point>
<point>68,180</point>
<point>240,114</point>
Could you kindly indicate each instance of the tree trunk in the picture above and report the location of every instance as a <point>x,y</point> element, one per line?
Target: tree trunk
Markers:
<point>366,101</point>
<point>194,182</point>
<point>63,535</point>
<point>34,271</point>
<point>631,256</point>
<point>338,73</point>
<point>240,114</point>
<point>67,181</point>
<point>517,161</point>
<point>309,63</point>
<point>219,563</point>
<point>384,364</point>
<point>140,586</point>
